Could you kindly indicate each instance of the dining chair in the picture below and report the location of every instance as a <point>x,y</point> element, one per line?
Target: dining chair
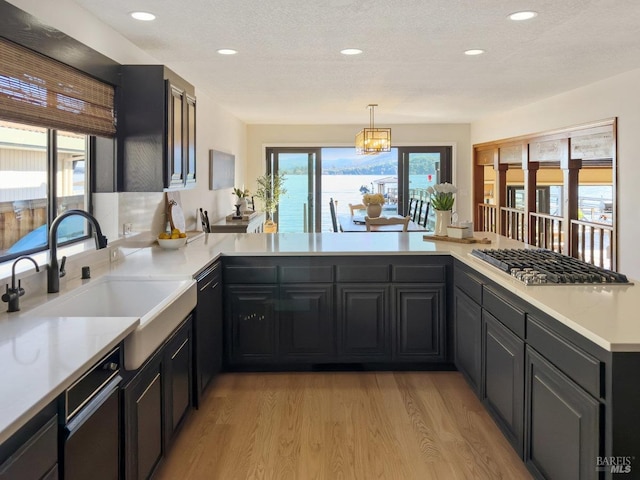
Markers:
<point>355,208</point>
<point>410,206</point>
<point>334,219</point>
<point>424,215</point>
<point>417,206</point>
<point>404,221</point>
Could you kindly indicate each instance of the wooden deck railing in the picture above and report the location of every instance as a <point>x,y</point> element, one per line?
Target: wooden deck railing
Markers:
<point>487,215</point>
<point>513,224</point>
<point>547,231</point>
<point>594,243</point>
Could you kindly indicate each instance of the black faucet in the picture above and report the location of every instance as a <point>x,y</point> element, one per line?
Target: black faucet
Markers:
<point>13,294</point>
<point>53,274</point>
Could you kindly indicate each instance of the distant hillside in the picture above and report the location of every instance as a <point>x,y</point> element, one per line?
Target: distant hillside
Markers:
<point>381,164</point>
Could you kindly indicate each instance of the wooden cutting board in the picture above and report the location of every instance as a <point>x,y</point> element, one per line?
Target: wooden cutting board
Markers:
<point>467,240</point>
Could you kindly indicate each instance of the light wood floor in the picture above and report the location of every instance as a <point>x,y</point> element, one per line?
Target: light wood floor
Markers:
<point>361,425</point>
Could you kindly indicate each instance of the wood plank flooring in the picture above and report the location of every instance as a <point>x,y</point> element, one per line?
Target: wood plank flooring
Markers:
<point>340,425</point>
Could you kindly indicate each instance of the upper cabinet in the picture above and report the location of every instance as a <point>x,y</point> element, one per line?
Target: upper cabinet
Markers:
<point>156,130</point>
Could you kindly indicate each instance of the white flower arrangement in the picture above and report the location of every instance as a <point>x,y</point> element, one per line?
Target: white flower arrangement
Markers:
<point>442,196</point>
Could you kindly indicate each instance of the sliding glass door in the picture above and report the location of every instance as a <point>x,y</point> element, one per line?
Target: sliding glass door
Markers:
<point>314,176</point>
<point>419,168</point>
<point>299,208</point>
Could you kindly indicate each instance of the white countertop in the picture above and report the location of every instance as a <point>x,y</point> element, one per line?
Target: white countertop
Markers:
<point>41,357</point>
<point>603,314</point>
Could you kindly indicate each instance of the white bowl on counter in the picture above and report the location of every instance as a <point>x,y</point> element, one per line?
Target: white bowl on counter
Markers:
<point>172,243</point>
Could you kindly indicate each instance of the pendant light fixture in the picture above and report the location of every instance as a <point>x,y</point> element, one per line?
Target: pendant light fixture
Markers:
<point>373,140</point>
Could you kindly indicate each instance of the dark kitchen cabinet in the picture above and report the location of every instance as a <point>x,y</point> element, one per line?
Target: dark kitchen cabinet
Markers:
<point>503,365</point>
<point>144,420</point>
<point>306,322</point>
<point>156,400</point>
<point>363,322</point>
<point>32,452</point>
<point>190,140</point>
<point>251,319</point>
<point>562,424</point>
<point>177,372</point>
<point>156,130</point>
<point>207,328</point>
<point>419,319</point>
<point>467,331</point>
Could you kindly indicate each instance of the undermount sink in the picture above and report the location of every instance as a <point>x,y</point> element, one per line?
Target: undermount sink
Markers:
<point>160,303</point>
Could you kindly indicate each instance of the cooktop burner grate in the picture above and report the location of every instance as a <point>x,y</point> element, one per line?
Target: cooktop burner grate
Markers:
<point>539,266</point>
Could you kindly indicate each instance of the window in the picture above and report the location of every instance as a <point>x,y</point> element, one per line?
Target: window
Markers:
<point>314,175</point>
<point>36,166</point>
<point>573,174</point>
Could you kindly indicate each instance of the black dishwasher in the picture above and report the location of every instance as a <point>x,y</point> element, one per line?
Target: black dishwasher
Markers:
<point>90,436</point>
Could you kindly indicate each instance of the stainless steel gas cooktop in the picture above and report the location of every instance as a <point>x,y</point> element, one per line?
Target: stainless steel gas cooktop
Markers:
<point>539,266</point>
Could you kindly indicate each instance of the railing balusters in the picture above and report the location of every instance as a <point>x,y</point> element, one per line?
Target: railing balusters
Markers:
<point>594,243</point>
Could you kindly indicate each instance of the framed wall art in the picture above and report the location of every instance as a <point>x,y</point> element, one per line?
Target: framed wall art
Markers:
<point>222,167</point>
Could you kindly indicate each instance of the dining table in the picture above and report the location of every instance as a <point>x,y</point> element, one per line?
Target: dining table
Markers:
<point>356,223</point>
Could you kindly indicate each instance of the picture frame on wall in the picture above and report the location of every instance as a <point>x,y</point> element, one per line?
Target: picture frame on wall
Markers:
<point>222,168</point>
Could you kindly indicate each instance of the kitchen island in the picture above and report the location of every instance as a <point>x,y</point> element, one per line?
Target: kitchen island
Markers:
<point>592,327</point>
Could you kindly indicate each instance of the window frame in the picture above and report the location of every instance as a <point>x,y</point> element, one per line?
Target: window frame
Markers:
<point>52,194</point>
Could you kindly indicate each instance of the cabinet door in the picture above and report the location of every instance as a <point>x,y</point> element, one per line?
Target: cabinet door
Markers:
<point>363,326</point>
<point>419,323</point>
<point>562,424</point>
<point>190,141</point>
<point>175,136</point>
<point>467,331</point>
<point>251,323</point>
<point>306,322</point>
<point>143,421</point>
<point>504,379</point>
<point>208,329</point>
<point>36,455</point>
<point>177,364</point>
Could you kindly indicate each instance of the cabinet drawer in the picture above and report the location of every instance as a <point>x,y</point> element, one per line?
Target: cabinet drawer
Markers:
<point>362,273</point>
<point>510,316</point>
<point>36,457</point>
<point>469,284</point>
<point>306,274</point>
<point>586,370</point>
<point>418,273</point>
<point>236,274</point>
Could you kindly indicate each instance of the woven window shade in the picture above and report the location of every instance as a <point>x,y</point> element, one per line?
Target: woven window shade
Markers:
<point>37,90</point>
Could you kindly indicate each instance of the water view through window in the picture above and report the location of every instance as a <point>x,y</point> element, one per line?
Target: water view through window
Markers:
<point>345,176</point>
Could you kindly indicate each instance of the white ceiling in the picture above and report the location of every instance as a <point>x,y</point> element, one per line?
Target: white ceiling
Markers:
<point>289,69</point>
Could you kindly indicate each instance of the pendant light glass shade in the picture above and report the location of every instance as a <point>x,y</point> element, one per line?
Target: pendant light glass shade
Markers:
<point>373,140</point>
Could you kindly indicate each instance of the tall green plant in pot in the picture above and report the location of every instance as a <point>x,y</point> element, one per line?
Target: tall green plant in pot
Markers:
<point>270,189</point>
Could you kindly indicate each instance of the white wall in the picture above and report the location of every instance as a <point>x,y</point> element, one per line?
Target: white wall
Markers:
<point>259,136</point>
<point>614,97</point>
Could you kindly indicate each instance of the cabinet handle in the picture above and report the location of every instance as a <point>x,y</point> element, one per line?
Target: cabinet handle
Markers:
<point>111,366</point>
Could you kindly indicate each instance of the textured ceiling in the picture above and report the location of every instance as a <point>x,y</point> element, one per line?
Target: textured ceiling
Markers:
<point>289,69</point>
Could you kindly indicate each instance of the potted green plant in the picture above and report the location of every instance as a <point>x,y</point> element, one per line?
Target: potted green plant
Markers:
<point>270,189</point>
<point>241,198</point>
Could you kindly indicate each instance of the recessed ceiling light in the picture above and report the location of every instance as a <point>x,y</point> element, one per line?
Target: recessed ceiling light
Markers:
<point>525,15</point>
<point>474,51</point>
<point>227,51</point>
<point>144,16</point>
<point>351,51</point>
